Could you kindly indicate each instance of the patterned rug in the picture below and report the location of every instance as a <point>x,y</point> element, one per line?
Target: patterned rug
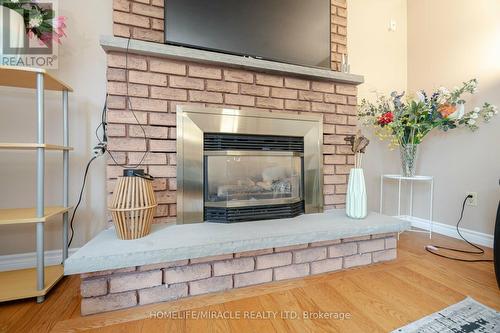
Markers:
<point>467,316</point>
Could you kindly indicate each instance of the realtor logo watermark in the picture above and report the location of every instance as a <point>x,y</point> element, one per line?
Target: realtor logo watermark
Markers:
<point>30,33</point>
<point>250,315</point>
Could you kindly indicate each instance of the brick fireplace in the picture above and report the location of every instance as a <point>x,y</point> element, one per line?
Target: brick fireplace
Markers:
<point>157,84</point>
<point>186,259</point>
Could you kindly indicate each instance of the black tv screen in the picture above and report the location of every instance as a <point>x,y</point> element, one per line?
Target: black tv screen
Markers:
<point>291,31</point>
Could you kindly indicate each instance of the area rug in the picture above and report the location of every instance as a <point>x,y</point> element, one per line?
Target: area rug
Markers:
<point>467,316</point>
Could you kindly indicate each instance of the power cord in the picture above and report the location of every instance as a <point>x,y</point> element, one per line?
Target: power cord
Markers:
<point>80,199</point>
<point>480,251</point>
<point>104,117</point>
<point>102,146</point>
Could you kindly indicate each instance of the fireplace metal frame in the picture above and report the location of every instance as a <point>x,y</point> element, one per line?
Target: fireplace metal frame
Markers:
<point>194,121</point>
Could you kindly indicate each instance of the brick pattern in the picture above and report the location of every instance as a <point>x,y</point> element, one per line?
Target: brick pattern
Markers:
<point>144,20</point>
<point>128,287</point>
<point>338,32</point>
<point>157,86</point>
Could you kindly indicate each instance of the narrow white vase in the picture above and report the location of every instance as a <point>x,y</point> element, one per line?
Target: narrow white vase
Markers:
<point>356,204</point>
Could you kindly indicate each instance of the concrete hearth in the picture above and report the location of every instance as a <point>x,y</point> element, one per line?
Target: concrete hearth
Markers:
<point>177,261</point>
<point>177,242</point>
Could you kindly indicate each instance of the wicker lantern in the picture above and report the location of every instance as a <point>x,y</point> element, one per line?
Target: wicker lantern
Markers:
<point>133,205</point>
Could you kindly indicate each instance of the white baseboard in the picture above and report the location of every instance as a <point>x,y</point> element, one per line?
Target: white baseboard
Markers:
<point>12,262</point>
<point>451,231</point>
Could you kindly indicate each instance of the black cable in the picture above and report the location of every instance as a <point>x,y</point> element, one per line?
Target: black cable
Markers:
<point>129,107</point>
<point>103,124</point>
<point>79,199</point>
<point>480,251</point>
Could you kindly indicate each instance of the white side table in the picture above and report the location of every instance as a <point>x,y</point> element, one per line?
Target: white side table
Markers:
<point>400,179</point>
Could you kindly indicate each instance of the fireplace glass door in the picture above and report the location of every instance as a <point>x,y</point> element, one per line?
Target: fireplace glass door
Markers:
<point>252,178</point>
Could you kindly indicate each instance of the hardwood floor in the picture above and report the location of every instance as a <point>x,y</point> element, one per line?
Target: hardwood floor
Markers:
<point>378,298</point>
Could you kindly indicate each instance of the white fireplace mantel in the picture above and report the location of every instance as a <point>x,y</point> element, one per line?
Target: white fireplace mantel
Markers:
<point>134,46</point>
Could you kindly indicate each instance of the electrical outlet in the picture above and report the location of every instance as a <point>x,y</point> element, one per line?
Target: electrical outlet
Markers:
<point>472,201</point>
<point>392,25</point>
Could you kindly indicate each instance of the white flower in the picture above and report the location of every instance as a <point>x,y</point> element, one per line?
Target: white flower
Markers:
<point>419,97</point>
<point>443,90</point>
<point>471,122</point>
<point>473,115</point>
<point>477,109</point>
<point>459,112</point>
<point>443,95</point>
<point>35,21</point>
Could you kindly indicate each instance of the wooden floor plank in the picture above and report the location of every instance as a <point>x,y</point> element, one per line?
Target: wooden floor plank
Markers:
<point>380,297</point>
<point>252,305</point>
<point>436,291</point>
<point>308,308</point>
<point>329,300</point>
<point>378,310</point>
<point>409,300</point>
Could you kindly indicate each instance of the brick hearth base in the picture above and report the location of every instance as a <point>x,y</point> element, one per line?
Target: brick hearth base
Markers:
<point>128,287</point>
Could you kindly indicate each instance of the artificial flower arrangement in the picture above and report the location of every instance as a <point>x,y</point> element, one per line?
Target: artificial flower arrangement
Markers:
<point>39,19</point>
<point>407,122</point>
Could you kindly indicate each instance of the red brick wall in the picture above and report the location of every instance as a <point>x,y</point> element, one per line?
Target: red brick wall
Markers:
<point>157,85</point>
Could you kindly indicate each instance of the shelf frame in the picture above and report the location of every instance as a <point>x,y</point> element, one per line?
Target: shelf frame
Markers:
<point>32,146</point>
<point>20,283</point>
<point>39,79</point>
<point>28,215</point>
<point>25,77</point>
<point>40,185</point>
<point>65,173</point>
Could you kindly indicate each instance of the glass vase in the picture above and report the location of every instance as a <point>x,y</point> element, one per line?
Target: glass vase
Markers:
<point>408,159</point>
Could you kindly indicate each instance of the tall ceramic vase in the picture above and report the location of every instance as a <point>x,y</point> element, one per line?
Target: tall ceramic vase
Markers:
<point>356,204</point>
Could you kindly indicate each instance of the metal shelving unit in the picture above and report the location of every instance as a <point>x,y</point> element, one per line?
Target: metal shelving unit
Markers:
<point>37,282</point>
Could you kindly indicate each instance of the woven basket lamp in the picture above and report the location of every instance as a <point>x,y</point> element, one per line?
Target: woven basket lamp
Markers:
<point>133,204</point>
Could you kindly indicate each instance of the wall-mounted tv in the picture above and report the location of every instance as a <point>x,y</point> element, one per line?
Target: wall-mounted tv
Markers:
<point>291,31</point>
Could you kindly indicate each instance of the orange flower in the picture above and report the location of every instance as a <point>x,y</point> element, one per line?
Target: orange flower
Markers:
<point>447,109</point>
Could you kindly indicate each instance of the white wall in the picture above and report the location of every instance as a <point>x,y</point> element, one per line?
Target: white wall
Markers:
<point>82,64</point>
<point>451,41</point>
<point>447,42</point>
<point>381,56</point>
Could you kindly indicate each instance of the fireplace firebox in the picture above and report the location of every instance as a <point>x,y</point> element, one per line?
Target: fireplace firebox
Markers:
<point>252,177</point>
<point>235,166</point>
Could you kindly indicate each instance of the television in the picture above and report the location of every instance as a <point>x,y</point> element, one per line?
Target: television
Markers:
<point>289,31</point>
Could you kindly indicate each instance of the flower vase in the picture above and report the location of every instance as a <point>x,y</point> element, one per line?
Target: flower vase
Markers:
<point>408,159</point>
<point>356,203</point>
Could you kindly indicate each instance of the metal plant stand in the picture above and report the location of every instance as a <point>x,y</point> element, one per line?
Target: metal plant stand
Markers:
<point>20,284</point>
<point>400,179</point>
